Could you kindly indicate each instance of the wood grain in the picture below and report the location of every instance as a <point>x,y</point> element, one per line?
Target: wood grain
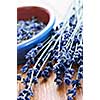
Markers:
<point>48,90</point>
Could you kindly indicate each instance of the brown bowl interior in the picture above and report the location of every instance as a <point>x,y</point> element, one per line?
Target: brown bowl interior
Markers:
<point>26,13</point>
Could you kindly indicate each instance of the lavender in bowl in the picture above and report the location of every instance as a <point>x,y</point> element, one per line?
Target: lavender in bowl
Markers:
<point>26,14</point>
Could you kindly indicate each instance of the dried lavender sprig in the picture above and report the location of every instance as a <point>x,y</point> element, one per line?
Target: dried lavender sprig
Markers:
<point>36,65</point>
<point>68,43</point>
<point>76,45</point>
<point>60,31</point>
<point>75,28</point>
<point>43,62</point>
<point>72,35</point>
<point>71,39</point>
<point>40,51</point>
<point>75,83</point>
<point>79,18</point>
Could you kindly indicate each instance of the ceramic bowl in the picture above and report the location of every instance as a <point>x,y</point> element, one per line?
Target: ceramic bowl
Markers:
<point>43,14</point>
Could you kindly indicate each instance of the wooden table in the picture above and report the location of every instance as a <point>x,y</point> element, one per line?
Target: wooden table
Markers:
<point>48,90</point>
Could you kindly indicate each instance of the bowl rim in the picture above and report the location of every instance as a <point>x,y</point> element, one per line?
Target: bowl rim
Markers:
<point>49,24</point>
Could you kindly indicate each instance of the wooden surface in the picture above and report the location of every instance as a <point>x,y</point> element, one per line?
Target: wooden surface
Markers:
<point>47,90</point>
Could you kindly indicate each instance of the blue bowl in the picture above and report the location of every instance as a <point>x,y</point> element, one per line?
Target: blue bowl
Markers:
<point>43,14</point>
